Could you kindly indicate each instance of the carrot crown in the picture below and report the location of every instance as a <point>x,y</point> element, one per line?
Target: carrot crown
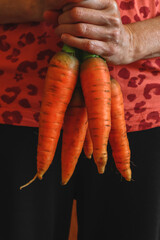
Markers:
<point>69,50</point>
<point>87,55</point>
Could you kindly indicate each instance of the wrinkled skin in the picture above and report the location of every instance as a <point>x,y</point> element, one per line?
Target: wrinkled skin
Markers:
<point>104,34</point>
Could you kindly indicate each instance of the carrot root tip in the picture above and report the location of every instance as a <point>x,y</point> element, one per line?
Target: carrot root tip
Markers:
<point>128,179</point>
<point>28,183</point>
<point>89,156</point>
<point>101,169</point>
<point>40,177</point>
<point>63,183</point>
<point>128,175</point>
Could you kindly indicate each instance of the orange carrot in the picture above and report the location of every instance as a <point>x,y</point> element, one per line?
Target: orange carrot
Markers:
<point>88,145</point>
<point>59,85</point>
<point>118,134</point>
<point>73,231</point>
<point>74,131</point>
<point>95,82</point>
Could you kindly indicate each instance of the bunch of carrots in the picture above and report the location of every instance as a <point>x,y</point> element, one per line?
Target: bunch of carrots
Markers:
<point>83,101</point>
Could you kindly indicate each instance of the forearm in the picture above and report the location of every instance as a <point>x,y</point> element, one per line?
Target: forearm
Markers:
<point>20,11</point>
<point>145,39</point>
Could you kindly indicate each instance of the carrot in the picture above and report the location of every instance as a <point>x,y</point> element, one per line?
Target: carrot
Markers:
<point>96,86</point>
<point>118,134</point>
<point>74,131</point>
<point>59,85</point>
<point>88,145</point>
<point>73,231</point>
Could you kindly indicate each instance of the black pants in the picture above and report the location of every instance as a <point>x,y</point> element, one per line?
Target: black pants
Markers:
<point>108,207</point>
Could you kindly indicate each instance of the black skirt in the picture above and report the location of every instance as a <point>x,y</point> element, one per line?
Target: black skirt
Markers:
<point>108,207</point>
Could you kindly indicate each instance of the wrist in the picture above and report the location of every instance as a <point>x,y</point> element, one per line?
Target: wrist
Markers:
<point>144,39</point>
<point>131,48</point>
<point>136,49</point>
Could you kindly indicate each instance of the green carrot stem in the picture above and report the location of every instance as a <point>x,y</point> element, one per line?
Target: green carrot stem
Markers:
<point>69,50</point>
<point>87,55</point>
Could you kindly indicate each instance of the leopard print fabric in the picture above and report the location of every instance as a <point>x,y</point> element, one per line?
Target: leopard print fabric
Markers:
<point>25,50</point>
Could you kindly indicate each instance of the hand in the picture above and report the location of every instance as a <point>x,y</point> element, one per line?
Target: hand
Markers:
<point>95,26</point>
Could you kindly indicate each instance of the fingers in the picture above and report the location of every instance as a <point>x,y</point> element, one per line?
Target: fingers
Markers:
<point>89,31</point>
<point>93,46</point>
<point>79,14</point>
<point>109,51</point>
<point>86,15</point>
